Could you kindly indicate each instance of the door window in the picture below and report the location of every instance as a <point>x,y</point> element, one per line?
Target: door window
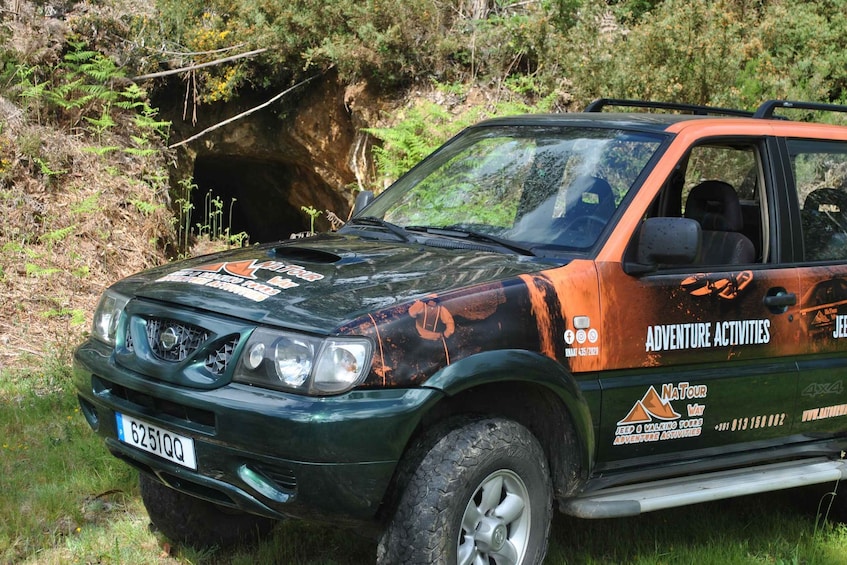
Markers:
<point>720,186</point>
<point>820,178</point>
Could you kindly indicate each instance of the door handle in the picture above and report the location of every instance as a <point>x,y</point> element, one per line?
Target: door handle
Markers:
<point>787,299</point>
<point>778,300</point>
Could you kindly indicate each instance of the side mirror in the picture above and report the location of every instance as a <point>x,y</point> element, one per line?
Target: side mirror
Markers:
<point>364,198</point>
<point>665,241</point>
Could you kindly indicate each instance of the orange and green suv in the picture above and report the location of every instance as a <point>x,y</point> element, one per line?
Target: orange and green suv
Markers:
<point>612,312</point>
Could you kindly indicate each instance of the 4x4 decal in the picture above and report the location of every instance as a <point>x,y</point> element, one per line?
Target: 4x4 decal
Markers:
<point>639,425</point>
<point>822,389</point>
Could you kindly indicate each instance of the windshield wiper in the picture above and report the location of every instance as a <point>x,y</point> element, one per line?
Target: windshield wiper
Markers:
<point>394,229</point>
<point>468,234</point>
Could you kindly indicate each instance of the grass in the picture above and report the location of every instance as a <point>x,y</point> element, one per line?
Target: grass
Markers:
<point>64,499</point>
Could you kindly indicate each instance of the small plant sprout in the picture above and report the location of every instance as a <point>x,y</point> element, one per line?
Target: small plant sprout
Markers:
<point>313,213</point>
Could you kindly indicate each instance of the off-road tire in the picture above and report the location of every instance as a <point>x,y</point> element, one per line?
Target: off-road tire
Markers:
<point>198,523</point>
<point>443,490</point>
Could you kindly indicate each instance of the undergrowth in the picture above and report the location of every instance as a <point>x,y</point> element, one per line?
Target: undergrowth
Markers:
<point>83,192</point>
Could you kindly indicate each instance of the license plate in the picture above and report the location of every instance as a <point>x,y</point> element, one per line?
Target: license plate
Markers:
<point>153,439</point>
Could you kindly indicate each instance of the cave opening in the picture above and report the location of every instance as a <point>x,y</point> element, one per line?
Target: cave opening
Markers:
<point>260,198</point>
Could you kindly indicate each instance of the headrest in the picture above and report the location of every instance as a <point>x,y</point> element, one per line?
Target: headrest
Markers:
<point>591,196</point>
<point>826,200</point>
<point>715,205</point>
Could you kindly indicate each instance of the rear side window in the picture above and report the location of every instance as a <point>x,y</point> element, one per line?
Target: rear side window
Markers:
<point>820,177</point>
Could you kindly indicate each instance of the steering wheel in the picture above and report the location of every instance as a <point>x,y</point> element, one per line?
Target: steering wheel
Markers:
<point>586,225</point>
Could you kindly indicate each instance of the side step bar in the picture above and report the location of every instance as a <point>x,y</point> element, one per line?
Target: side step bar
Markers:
<point>631,500</point>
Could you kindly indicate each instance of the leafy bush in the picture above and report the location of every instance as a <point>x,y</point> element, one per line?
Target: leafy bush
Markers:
<point>732,53</point>
<point>418,130</point>
<point>390,42</point>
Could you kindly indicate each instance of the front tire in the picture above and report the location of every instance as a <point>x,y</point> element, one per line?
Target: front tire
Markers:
<point>198,523</point>
<point>481,494</point>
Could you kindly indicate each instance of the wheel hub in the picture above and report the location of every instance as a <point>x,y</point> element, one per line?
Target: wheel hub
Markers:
<point>491,535</point>
<point>496,524</point>
<point>498,537</point>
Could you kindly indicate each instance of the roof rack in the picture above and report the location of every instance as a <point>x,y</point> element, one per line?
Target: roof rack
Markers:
<point>600,103</point>
<point>766,109</point>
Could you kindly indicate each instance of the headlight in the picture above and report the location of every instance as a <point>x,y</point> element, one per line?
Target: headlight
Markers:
<point>303,364</point>
<point>107,316</point>
<point>341,364</point>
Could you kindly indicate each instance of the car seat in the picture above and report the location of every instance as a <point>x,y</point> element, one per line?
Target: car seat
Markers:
<point>715,205</point>
<point>824,217</point>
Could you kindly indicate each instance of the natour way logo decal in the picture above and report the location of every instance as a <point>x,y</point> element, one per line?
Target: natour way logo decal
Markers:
<point>654,418</point>
<point>239,277</point>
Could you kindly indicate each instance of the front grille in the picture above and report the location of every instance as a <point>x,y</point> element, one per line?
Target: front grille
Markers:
<point>185,339</point>
<point>218,361</point>
<point>174,341</point>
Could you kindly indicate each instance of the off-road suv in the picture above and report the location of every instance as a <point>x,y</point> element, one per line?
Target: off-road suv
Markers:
<point>615,312</point>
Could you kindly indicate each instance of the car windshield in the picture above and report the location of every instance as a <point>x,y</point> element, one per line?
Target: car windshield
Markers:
<point>533,188</point>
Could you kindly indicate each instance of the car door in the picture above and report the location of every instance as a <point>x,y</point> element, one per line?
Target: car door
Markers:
<point>819,175</point>
<point>700,358</point>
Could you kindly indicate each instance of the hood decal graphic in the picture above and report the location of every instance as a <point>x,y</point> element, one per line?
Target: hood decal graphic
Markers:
<point>239,277</point>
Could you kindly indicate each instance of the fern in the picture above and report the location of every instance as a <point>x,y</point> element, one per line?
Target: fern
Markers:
<point>33,90</point>
<point>66,97</point>
<point>100,149</point>
<point>132,98</point>
<point>57,234</point>
<point>46,170</point>
<point>87,206</point>
<point>79,54</point>
<point>140,152</point>
<point>76,315</point>
<point>101,68</point>
<point>422,130</point>
<point>101,124</point>
<point>146,120</point>
<point>33,270</point>
<point>81,89</point>
<point>99,92</point>
<point>146,208</point>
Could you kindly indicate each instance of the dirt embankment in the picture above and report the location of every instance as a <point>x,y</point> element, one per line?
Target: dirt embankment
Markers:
<point>79,208</point>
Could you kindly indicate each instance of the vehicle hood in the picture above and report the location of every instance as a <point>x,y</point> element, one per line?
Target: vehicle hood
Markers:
<point>318,284</point>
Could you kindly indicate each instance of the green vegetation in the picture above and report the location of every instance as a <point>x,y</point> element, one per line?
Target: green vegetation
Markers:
<point>69,223</point>
<point>213,227</point>
<point>313,214</point>
<point>730,52</point>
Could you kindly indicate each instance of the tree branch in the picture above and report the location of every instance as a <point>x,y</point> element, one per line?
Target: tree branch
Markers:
<point>247,113</point>
<point>195,53</point>
<point>201,65</point>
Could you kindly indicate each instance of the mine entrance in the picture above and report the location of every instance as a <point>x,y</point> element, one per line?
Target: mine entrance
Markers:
<point>260,198</point>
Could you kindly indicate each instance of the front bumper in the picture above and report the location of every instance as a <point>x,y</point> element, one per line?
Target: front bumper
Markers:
<point>265,452</point>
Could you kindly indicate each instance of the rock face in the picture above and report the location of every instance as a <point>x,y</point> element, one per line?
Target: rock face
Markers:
<point>308,149</point>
